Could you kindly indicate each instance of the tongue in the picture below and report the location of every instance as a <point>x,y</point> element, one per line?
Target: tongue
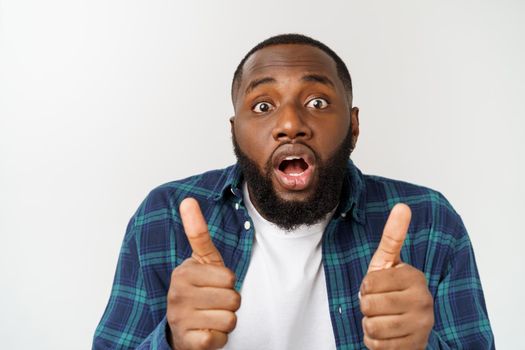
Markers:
<point>295,166</point>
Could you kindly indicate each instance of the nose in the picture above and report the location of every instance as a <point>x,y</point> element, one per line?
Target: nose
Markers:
<point>291,124</point>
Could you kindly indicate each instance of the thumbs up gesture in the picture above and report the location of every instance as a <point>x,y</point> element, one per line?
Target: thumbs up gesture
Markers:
<point>201,299</point>
<point>395,301</point>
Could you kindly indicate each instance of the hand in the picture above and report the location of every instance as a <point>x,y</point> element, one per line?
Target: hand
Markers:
<point>394,298</point>
<point>201,299</point>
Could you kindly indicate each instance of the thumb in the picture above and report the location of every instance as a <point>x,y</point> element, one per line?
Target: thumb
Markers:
<point>388,253</point>
<point>204,251</point>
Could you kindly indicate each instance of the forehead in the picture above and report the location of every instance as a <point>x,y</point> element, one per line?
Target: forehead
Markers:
<point>289,59</point>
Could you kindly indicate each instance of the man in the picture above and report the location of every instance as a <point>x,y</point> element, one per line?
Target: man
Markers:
<point>293,247</point>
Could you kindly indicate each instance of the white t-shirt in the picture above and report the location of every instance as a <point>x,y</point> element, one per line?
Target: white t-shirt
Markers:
<point>284,302</point>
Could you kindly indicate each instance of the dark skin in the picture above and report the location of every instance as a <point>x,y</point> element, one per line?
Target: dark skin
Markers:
<point>306,103</point>
<point>292,94</point>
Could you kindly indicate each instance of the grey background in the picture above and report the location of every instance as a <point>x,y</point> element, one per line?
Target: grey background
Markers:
<point>100,101</point>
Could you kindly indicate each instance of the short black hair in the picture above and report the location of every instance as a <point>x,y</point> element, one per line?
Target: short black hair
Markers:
<point>283,39</point>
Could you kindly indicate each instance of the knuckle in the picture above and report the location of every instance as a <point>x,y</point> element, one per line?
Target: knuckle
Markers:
<point>173,296</point>
<point>421,323</point>
<point>179,273</point>
<point>369,305</point>
<point>372,344</point>
<point>429,299</point>
<point>428,322</point>
<point>367,342</point>
<point>406,268</point>
<point>431,320</point>
<point>425,301</point>
<point>380,345</point>
<point>365,305</point>
<point>231,322</point>
<point>221,342</point>
<point>366,285</point>
<point>178,306</point>
<point>370,327</point>
<point>177,293</point>
<point>174,318</point>
<point>428,303</point>
<point>407,271</point>
<point>175,273</point>
<point>235,302</point>
<point>171,318</point>
<point>206,340</point>
<point>417,275</point>
<point>230,278</point>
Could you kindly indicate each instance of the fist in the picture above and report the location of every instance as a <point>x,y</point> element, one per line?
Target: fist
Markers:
<point>201,299</point>
<point>397,306</point>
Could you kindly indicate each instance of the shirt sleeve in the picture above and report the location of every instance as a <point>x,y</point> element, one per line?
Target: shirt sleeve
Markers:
<point>127,322</point>
<point>461,319</point>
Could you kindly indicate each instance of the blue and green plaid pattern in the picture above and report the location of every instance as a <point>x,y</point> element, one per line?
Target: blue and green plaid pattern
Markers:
<point>437,244</point>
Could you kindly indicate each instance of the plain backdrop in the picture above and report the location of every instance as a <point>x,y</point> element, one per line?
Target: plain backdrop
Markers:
<point>101,101</point>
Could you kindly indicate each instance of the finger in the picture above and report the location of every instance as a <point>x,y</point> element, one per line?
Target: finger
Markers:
<point>402,277</point>
<point>218,320</point>
<point>203,275</point>
<point>204,339</point>
<point>388,327</point>
<point>406,342</point>
<point>204,290</point>
<point>393,303</point>
<point>206,298</point>
<point>196,230</point>
<point>389,249</point>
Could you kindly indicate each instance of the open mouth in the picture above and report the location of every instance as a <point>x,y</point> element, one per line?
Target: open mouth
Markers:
<point>294,166</point>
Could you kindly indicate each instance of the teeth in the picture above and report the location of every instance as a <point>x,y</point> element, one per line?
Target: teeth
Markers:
<point>292,158</point>
<point>294,174</point>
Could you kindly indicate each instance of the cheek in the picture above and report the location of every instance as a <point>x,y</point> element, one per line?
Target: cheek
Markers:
<point>254,141</point>
<point>330,136</point>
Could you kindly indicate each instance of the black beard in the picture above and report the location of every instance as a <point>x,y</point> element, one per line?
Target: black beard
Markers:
<point>289,214</point>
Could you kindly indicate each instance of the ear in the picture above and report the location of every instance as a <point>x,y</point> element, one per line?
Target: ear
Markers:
<point>354,115</point>
<point>232,121</point>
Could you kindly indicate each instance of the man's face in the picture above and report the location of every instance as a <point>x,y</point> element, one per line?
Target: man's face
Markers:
<point>292,115</point>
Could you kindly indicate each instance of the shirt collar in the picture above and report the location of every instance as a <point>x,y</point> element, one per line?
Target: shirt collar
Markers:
<point>352,197</point>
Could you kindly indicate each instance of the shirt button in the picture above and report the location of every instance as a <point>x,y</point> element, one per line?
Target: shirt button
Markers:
<point>340,310</point>
<point>236,206</point>
<point>247,225</point>
<point>343,215</point>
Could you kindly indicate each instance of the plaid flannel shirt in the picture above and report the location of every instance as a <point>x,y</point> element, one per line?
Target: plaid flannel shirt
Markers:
<point>437,244</point>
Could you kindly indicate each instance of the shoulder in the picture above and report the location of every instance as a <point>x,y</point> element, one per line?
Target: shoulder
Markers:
<point>161,204</point>
<point>380,188</point>
<point>155,228</point>
<point>436,232</point>
<point>199,186</point>
<point>428,205</point>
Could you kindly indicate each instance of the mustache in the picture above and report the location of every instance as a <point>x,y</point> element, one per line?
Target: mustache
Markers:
<point>291,214</point>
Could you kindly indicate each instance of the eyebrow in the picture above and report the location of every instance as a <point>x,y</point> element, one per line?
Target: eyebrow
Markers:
<point>317,78</point>
<point>255,83</point>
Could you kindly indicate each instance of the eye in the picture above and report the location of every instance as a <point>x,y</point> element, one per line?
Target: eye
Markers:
<point>262,107</point>
<point>317,103</point>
